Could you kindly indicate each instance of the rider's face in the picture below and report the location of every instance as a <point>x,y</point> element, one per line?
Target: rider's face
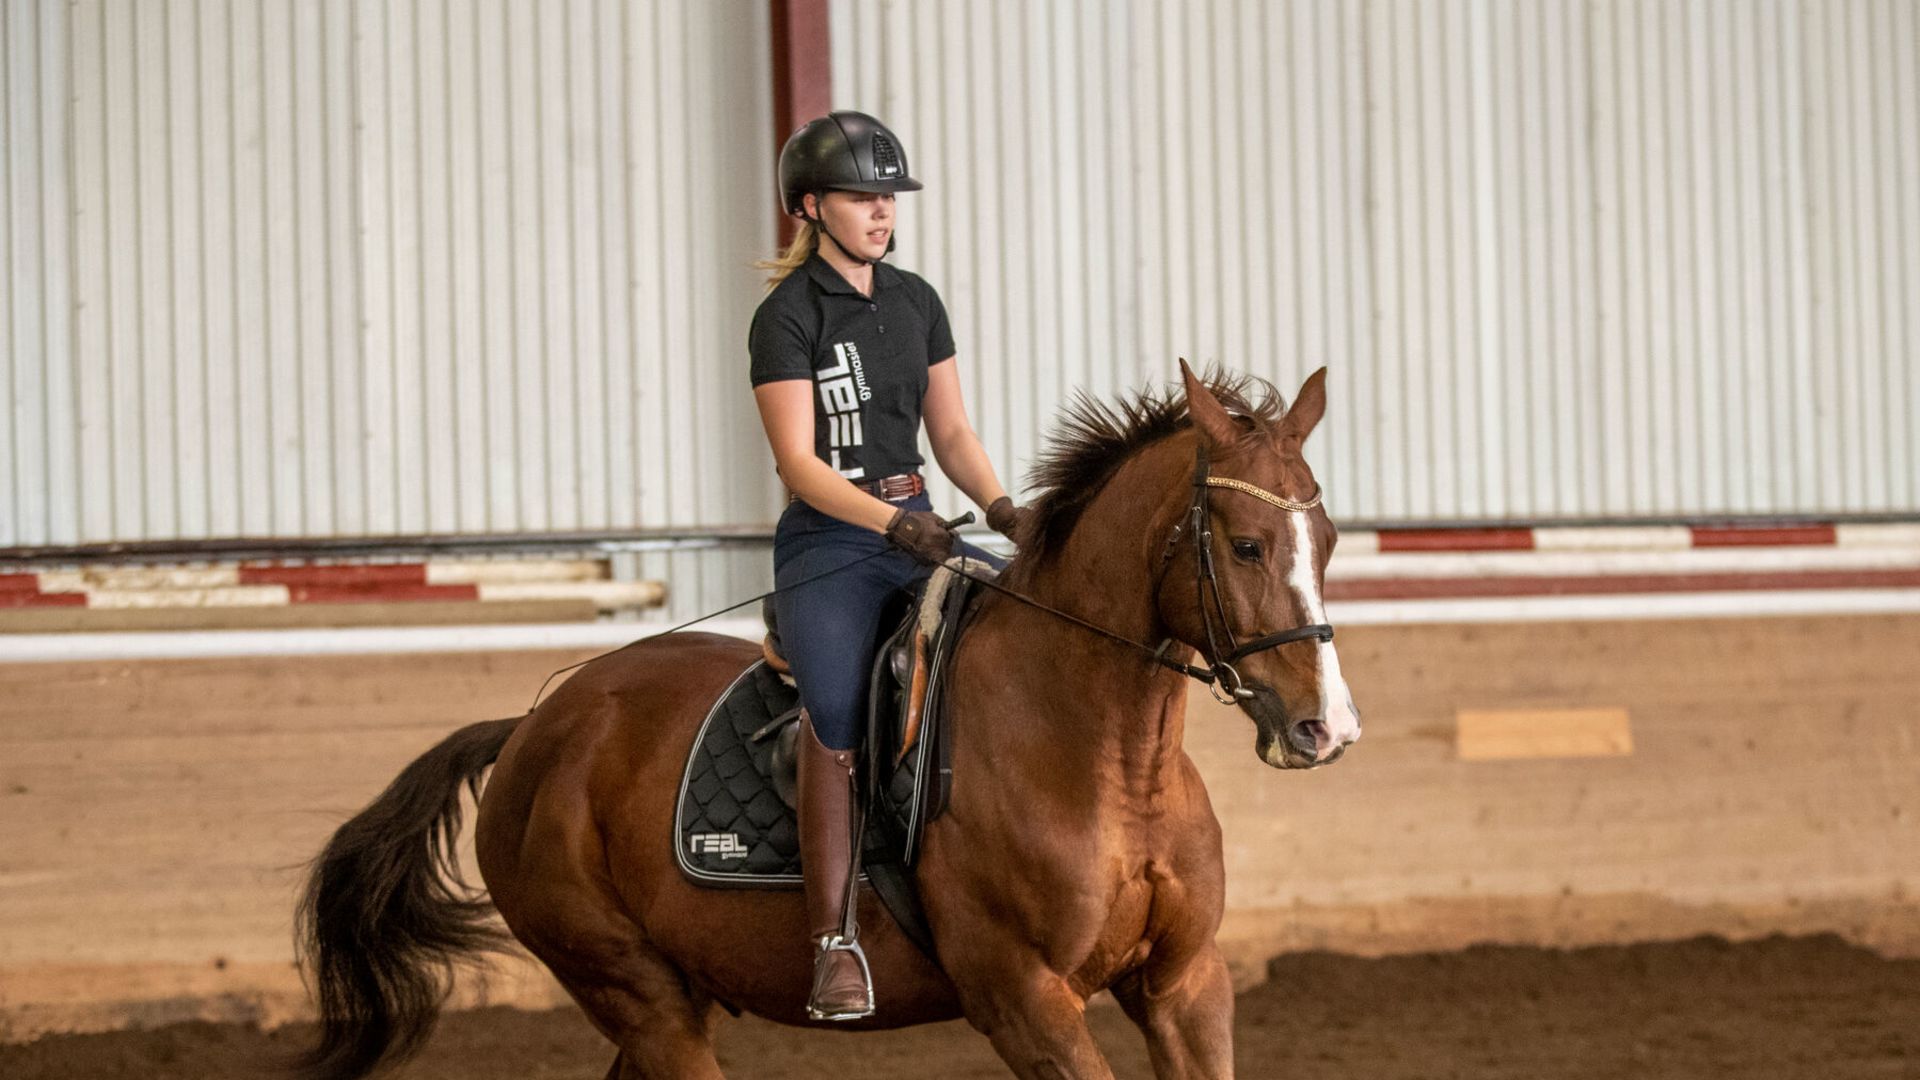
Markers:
<point>859,221</point>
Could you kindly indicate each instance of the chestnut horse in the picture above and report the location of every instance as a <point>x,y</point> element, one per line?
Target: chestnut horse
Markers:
<point>1079,851</point>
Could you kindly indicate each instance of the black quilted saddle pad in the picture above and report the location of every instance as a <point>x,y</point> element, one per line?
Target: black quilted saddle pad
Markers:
<point>733,829</point>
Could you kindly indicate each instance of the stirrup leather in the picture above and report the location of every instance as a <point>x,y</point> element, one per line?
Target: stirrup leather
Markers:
<point>833,943</point>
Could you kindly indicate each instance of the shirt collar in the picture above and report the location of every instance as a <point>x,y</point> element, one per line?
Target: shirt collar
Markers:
<point>829,279</point>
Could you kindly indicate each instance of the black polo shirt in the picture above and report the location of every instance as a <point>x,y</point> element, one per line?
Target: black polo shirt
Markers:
<point>867,358</point>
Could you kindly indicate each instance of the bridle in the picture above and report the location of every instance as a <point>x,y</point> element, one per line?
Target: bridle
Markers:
<point>1222,678</point>
<point>1226,685</point>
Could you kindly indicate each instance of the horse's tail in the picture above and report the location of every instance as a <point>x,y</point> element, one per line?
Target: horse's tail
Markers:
<point>386,914</point>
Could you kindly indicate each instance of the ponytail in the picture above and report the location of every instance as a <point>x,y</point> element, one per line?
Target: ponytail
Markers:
<point>796,255</point>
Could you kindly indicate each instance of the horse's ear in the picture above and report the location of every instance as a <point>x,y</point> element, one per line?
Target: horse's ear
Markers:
<point>1308,407</point>
<point>1214,423</point>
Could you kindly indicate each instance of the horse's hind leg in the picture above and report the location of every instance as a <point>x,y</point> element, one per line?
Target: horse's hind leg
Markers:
<point>663,1027</point>
<point>663,1033</point>
<point>622,1069</point>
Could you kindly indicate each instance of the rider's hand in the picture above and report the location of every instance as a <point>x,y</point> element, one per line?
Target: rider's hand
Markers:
<point>1007,519</point>
<point>921,534</point>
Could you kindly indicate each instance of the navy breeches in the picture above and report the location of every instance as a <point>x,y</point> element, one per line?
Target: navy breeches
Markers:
<point>829,628</point>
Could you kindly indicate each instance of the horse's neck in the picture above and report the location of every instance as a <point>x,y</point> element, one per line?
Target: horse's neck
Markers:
<point>1106,703</point>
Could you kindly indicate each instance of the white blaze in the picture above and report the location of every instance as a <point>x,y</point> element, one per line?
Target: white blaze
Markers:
<point>1336,701</point>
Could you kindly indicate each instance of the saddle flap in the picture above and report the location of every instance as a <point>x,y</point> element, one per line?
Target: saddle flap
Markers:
<point>908,765</point>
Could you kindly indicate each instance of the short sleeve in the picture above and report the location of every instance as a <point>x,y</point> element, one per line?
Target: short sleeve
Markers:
<point>939,332</point>
<point>778,346</point>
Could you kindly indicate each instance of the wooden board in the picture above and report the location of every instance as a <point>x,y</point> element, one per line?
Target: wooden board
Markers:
<point>1513,734</point>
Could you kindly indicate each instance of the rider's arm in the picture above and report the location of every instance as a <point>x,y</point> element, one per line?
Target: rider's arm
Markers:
<point>955,444</point>
<point>786,411</point>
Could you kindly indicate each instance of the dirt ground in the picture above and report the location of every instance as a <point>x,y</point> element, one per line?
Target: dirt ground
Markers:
<point>1809,1007</point>
<point>155,816</point>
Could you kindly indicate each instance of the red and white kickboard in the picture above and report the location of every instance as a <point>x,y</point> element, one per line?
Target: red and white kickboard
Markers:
<point>1388,564</point>
<point>1635,537</point>
<point>1427,564</point>
<point>1514,585</point>
<point>272,586</point>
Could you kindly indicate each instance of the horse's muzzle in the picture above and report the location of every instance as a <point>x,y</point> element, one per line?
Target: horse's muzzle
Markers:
<point>1287,743</point>
<point>1279,754</point>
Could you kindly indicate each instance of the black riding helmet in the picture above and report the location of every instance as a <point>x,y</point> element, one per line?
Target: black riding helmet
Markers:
<point>841,151</point>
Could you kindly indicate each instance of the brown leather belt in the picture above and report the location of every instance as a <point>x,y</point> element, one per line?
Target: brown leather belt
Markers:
<point>891,488</point>
<point>894,488</point>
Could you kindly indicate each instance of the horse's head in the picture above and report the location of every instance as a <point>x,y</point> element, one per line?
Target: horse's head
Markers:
<point>1243,572</point>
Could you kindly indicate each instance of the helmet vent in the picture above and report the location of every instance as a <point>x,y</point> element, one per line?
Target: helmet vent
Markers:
<point>886,157</point>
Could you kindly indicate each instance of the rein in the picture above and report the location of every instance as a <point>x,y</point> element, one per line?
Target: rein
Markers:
<point>1159,655</point>
<point>538,694</point>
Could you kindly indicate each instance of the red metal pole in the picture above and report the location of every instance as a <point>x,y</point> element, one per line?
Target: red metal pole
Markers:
<point>802,75</point>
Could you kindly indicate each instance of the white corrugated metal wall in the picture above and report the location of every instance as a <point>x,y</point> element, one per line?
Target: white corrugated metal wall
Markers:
<point>335,269</point>
<point>1566,259</point>
<point>414,266</point>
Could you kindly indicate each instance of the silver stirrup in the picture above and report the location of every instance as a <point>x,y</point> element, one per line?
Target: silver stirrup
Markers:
<point>836,943</point>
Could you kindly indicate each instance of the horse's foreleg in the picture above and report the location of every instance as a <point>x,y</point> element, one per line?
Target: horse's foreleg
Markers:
<point>1185,1009</point>
<point>1037,1024</point>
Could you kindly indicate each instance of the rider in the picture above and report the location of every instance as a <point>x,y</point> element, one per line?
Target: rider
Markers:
<point>848,355</point>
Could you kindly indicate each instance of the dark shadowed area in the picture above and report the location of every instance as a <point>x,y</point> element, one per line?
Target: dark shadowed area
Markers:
<point>1811,1007</point>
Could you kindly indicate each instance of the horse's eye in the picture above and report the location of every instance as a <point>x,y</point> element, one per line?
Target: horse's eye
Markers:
<point>1247,549</point>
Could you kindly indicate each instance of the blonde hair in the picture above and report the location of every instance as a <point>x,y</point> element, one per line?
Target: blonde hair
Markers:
<point>780,268</point>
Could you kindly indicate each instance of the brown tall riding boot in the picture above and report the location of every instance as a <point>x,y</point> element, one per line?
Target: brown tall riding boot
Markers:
<point>842,988</point>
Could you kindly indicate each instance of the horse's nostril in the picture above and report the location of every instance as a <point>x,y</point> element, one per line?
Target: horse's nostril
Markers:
<point>1308,736</point>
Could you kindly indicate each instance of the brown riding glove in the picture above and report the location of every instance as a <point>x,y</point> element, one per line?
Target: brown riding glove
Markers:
<point>1007,519</point>
<point>921,534</point>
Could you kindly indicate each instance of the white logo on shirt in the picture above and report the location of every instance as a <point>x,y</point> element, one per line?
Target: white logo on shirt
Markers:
<point>841,395</point>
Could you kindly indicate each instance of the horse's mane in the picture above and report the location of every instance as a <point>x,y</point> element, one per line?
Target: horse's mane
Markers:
<point>1093,438</point>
